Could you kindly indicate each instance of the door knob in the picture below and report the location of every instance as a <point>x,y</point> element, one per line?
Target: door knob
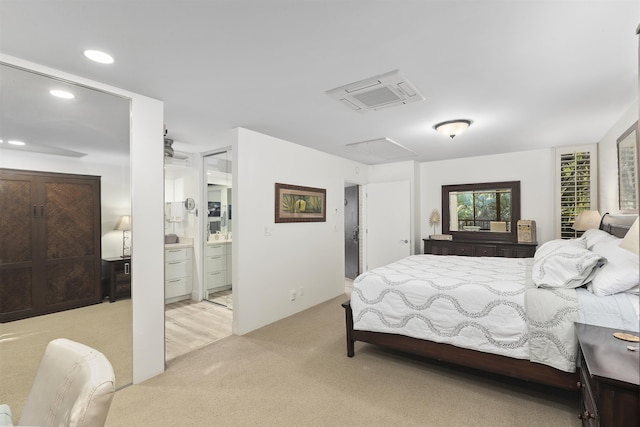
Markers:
<point>404,241</point>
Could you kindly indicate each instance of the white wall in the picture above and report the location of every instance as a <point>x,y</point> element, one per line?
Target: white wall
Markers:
<point>146,177</point>
<point>608,162</point>
<point>269,259</point>
<point>534,169</point>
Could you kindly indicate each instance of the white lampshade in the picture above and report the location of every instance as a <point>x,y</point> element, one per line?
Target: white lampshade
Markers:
<point>124,223</point>
<point>631,240</point>
<point>452,128</point>
<point>586,220</point>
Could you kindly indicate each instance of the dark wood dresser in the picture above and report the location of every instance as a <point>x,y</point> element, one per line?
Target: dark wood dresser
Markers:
<point>116,278</point>
<point>469,247</point>
<point>609,378</point>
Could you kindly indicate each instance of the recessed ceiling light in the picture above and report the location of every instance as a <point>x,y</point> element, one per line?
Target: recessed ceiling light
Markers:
<point>62,94</point>
<point>14,142</point>
<point>98,56</point>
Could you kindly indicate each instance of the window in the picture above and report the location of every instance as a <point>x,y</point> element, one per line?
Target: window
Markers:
<point>576,186</point>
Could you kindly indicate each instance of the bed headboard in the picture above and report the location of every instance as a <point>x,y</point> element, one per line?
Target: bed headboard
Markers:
<point>618,225</point>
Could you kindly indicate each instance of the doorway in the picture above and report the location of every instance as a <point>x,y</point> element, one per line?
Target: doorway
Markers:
<point>351,232</point>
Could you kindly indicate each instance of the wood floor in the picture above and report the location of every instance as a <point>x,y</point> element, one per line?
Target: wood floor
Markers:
<point>190,325</point>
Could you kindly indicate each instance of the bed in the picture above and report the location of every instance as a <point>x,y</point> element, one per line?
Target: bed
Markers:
<point>509,316</point>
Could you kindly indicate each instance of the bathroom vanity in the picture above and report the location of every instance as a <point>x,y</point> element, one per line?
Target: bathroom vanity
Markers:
<point>217,265</point>
<point>178,272</point>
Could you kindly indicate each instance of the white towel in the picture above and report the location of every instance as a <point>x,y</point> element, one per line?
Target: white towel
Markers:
<point>177,212</point>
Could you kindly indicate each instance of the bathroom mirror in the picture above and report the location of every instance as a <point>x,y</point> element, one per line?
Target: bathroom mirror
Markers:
<point>481,210</point>
<point>86,135</point>
<point>217,286</point>
<point>628,168</point>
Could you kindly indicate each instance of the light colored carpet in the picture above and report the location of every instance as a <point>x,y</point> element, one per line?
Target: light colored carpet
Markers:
<point>105,327</point>
<point>295,372</point>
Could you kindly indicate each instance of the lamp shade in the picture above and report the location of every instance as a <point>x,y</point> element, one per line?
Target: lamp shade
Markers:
<point>452,128</point>
<point>586,220</point>
<point>631,240</point>
<point>124,223</point>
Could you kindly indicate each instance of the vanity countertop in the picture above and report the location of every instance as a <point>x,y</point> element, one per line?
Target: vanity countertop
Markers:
<point>177,245</point>
<point>217,242</point>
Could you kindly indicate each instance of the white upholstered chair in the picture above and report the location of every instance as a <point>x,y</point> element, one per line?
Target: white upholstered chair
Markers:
<point>74,386</point>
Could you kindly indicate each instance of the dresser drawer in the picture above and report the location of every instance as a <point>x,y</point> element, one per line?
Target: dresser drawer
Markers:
<point>484,250</point>
<point>176,269</point>
<point>464,249</point>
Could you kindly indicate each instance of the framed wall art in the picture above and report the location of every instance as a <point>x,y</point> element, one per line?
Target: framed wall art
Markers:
<point>294,203</point>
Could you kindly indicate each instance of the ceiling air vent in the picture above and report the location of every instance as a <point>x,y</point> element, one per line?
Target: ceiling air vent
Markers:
<point>375,93</point>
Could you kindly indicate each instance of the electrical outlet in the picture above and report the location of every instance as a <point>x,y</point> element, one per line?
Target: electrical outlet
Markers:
<point>293,294</point>
<point>301,292</point>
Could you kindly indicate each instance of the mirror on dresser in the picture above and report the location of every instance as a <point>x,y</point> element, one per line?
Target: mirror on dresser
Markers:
<point>480,220</point>
<point>488,210</point>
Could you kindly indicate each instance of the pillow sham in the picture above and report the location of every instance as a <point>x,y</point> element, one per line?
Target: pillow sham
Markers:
<point>564,264</point>
<point>593,236</point>
<point>620,274</point>
<point>553,245</point>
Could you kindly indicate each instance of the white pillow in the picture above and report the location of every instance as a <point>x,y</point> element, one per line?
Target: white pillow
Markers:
<point>621,272</point>
<point>564,264</point>
<point>593,236</point>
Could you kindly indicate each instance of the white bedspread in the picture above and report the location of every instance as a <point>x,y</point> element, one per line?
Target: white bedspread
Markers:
<point>484,304</point>
<point>475,303</point>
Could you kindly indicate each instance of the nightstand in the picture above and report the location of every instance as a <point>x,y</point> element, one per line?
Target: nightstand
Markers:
<point>116,278</point>
<point>609,378</point>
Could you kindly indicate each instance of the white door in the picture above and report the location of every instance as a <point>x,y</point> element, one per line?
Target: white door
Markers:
<point>388,217</point>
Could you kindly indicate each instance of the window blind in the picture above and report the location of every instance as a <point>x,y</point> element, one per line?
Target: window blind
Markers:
<point>576,169</point>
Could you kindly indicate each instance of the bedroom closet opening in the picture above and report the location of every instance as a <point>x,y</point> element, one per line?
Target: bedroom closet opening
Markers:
<point>217,283</point>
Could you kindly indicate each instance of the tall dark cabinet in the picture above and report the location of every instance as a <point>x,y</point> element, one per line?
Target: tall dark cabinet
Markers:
<point>50,249</point>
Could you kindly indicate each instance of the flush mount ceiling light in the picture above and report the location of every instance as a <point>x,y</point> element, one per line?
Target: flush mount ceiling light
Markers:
<point>98,56</point>
<point>62,94</point>
<point>14,142</point>
<point>452,128</point>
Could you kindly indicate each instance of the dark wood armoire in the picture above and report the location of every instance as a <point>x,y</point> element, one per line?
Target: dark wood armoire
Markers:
<point>50,248</point>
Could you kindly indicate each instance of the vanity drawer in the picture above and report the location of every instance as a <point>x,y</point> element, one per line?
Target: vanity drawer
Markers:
<point>216,279</point>
<point>177,287</point>
<point>177,254</point>
<point>218,249</point>
<point>215,263</point>
<point>176,269</point>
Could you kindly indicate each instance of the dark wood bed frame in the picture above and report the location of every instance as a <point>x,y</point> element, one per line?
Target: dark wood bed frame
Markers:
<point>503,365</point>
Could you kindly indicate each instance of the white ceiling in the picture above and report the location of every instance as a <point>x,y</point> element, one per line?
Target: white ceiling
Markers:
<point>530,74</point>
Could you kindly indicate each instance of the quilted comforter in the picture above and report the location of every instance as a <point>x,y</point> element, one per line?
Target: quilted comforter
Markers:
<point>480,303</point>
